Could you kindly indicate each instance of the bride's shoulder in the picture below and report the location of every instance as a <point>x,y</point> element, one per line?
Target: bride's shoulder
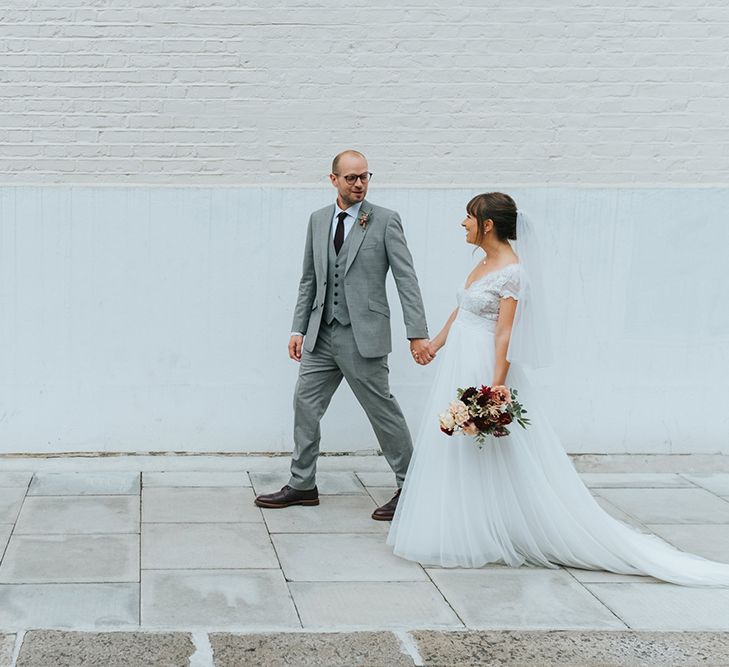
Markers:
<point>511,272</point>
<point>510,280</point>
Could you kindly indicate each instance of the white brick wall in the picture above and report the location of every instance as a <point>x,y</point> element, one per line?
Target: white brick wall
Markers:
<point>517,91</point>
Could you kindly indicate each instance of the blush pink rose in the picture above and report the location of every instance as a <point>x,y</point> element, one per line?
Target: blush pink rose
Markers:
<point>459,410</point>
<point>501,395</point>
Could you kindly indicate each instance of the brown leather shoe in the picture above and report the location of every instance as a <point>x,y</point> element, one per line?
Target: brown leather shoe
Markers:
<point>387,511</point>
<point>288,496</point>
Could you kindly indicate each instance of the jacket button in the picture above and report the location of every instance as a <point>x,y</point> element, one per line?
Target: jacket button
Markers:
<point>336,293</point>
<point>336,303</point>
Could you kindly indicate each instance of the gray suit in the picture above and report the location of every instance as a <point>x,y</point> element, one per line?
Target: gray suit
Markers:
<point>343,312</point>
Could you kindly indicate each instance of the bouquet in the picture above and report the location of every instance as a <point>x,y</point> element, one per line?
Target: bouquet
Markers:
<point>483,411</point>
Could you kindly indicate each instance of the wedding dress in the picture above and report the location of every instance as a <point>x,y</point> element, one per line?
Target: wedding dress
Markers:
<point>518,500</point>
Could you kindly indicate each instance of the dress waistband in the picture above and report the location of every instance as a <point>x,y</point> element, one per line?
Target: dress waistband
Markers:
<point>471,319</point>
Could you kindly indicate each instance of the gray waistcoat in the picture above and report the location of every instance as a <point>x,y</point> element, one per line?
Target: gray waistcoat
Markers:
<point>335,304</point>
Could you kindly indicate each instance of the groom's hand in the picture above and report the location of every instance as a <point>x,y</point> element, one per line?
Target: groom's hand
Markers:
<point>421,351</point>
<point>295,345</point>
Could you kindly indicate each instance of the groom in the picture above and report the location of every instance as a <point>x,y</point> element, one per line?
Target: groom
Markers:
<point>341,328</point>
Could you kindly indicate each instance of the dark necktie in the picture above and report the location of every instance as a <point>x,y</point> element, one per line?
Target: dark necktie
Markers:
<point>339,233</point>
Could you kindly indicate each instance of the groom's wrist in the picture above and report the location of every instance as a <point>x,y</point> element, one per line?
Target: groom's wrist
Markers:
<point>416,333</point>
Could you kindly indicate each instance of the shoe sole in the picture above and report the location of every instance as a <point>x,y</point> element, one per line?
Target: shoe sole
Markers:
<point>278,506</point>
<point>382,518</point>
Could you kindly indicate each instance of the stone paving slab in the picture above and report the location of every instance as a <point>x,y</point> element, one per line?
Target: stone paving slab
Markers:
<point>619,514</point>
<point>524,598</point>
<point>634,480</point>
<point>167,546</point>
<point>717,483</point>
<point>386,479</point>
<point>199,505</point>
<point>679,463</point>
<point>342,557</point>
<point>334,514</point>
<point>372,462</point>
<point>195,479</point>
<point>70,606</point>
<point>666,607</point>
<point>600,577</point>
<point>670,505</point>
<point>709,541</point>
<point>7,643</point>
<point>46,648</point>
<point>381,494</point>
<point>64,515</point>
<point>360,605</point>
<point>71,558</point>
<point>15,479</point>
<point>84,483</point>
<point>326,482</point>
<point>572,649</point>
<point>211,462</point>
<point>11,499</point>
<point>361,649</point>
<point>221,599</point>
<point>5,530</point>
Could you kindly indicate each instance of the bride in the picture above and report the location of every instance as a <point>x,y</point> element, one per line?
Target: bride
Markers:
<point>518,500</point>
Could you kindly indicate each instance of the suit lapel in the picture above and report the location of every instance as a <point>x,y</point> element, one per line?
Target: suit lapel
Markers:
<point>357,234</point>
<point>322,239</point>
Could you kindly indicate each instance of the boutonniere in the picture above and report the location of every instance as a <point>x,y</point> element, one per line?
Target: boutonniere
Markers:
<point>364,217</point>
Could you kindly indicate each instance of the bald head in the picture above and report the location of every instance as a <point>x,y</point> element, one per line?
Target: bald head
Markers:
<point>350,176</point>
<point>348,153</point>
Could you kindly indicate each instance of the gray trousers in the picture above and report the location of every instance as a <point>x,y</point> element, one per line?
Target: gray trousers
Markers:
<point>335,356</point>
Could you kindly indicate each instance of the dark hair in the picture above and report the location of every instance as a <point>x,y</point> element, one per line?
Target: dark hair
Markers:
<point>339,156</point>
<point>498,207</point>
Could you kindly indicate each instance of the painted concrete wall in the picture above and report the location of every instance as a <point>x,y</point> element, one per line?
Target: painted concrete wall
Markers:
<point>141,318</point>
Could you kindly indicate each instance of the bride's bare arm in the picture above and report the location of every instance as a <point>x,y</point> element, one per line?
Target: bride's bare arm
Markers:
<point>502,335</point>
<point>440,340</point>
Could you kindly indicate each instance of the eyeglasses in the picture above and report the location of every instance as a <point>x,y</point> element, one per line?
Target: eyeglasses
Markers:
<point>352,178</point>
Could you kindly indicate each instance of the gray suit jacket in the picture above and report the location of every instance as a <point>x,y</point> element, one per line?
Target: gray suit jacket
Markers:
<point>373,249</point>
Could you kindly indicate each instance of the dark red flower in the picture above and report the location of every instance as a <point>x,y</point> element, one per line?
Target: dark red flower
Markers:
<point>468,394</point>
<point>485,391</point>
<point>505,418</point>
<point>481,423</point>
<point>447,431</point>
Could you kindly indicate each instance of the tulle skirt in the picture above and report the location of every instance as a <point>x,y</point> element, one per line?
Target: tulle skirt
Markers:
<point>518,500</point>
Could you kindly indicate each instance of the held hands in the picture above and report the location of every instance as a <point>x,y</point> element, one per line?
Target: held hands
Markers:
<point>295,345</point>
<point>422,351</point>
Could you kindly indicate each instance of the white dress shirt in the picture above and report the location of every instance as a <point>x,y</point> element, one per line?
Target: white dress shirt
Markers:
<point>352,213</point>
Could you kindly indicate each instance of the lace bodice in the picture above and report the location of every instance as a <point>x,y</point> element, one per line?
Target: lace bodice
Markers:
<point>483,296</point>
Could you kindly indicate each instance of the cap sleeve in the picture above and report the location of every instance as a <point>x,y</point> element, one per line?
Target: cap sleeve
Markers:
<point>511,283</point>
